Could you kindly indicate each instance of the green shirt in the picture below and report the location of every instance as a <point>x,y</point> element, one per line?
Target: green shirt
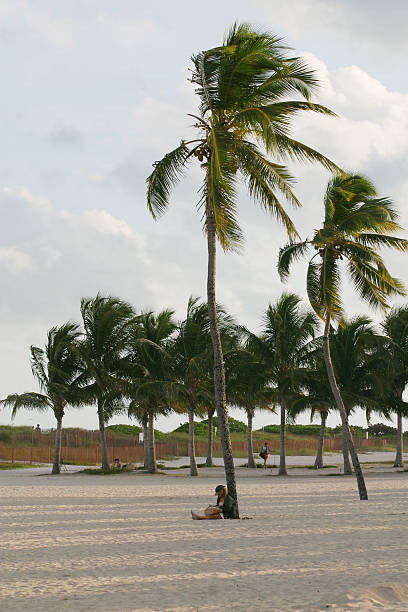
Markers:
<point>229,507</point>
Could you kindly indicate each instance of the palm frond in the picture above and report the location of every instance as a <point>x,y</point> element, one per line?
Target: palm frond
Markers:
<point>27,401</point>
<point>165,175</point>
<point>288,148</point>
<point>381,240</point>
<point>290,253</point>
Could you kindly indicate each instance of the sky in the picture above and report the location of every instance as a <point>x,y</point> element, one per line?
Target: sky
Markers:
<point>94,91</point>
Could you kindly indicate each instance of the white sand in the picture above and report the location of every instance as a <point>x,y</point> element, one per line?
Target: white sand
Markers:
<point>126,542</point>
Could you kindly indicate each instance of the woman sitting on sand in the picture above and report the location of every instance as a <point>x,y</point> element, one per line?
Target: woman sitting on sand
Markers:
<point>226,507</point>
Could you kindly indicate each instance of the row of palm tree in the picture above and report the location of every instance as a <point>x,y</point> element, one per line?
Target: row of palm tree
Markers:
<point>149,364</point>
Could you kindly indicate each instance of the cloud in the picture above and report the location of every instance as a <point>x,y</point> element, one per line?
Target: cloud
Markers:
<point>21,20</point>
<point>14,260</point>
<point>65,135</point>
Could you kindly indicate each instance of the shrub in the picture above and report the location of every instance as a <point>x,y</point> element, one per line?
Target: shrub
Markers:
<point>201,427</point>
<point>132,430</point>
<point>379,429</point>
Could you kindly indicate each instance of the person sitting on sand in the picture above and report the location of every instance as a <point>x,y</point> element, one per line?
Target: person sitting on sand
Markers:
<point>226,507</point>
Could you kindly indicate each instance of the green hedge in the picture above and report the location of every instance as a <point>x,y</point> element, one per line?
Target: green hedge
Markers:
<point>201,427</point>
<point>132,430</point>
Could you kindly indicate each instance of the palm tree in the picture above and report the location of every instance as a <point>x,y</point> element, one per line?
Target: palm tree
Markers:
<point>395,368</point>
<point>316,394</point>
<point>56,369</point>
<point>104,355</point>
<point>137,411</point>
<point>353,347</point>
<point>210,416</point>
<point>247,386</point>
<point>286,332</point>
<point>356,225</point>
<point>242,88</point>
<point>190,350</point>
<point>151,371</point>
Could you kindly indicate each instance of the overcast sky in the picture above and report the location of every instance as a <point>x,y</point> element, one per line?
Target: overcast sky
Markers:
<point>94,91</point>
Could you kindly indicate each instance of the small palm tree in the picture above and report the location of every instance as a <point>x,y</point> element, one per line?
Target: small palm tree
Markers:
<point>244,117</point>
<point>192,388</point>
<point>352,347</point>
<point>151,371</point>
<point>56,369</point>
<point>104,356</point>
<point>316,394</point>
<point>356,225</point>
<point>286,332</point>
<point>247,385</point>
<point>395,369</point>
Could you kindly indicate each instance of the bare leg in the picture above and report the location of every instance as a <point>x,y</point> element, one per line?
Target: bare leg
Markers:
<point>200,517</point>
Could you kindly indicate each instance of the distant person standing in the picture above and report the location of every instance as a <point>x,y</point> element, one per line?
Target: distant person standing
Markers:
<point>38,428</point>
<point>264,454</point>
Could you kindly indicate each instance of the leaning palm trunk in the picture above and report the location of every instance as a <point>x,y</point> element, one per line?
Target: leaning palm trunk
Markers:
<point>56,468</point>
<point>398,457</point>
<point>191,444</point>
<point>339,402</point>
<point>251,462</point>
<point>219,373</point>
<point>145,441</point>
<point>209,460</point>
<point>104,450</point>
<point>282,458</point>
<point>318,464</point>
<point>345,450</point>
<point>152,465</point>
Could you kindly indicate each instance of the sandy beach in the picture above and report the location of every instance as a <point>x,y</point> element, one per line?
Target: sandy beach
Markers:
<point>127,542</point>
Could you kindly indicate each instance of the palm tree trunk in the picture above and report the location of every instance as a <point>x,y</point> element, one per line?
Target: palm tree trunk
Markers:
<point>191,445</point>
<point>145,441</point>
<point>398,457</point>
<point>318,464</point>
<point>152,465</point>
<point>219,372</point>
<point>209,460</point>
<point>251,462</point>
<point>282,458</point>
<point>339,402</point>
<point>104,450</point>
<point>346,456</point>
<point>56,468</point>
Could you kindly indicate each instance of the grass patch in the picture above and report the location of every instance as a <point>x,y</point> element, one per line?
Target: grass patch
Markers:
<point>311,467</point>
<point>97,471</point>
<point>18,466</point>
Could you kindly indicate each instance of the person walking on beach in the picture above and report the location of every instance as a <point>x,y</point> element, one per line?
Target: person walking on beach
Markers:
<point>264,454</point>
<point>225,508</point>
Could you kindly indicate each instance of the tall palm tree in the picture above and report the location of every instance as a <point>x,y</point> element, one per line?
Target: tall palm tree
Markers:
<point>151,370</point>
<point>244,118</point>
<point>56,369</point>
<point>287,330</point>
<point>356,225</point>
<point>104,355</point>
<point>395,368</point>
